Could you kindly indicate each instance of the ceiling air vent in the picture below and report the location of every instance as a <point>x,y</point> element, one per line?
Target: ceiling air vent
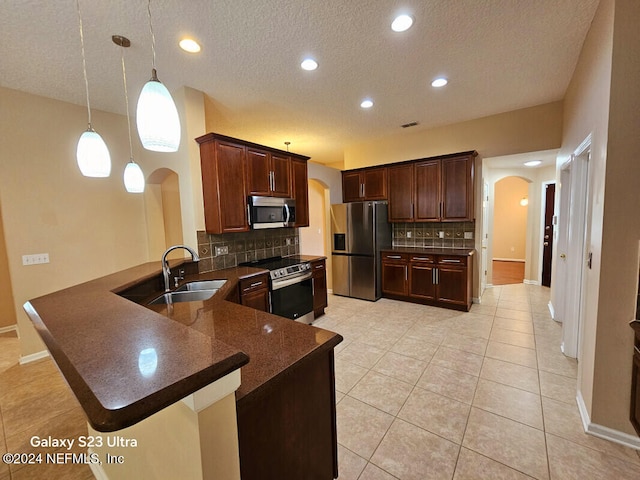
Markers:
<point>410,124</point>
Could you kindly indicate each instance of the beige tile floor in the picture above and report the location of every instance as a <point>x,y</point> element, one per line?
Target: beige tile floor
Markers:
<point>35,400</point>
<point>423,393</point>
<point>427,393</point>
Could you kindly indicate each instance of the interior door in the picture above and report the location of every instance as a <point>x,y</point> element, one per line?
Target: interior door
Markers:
<point>547,243</point>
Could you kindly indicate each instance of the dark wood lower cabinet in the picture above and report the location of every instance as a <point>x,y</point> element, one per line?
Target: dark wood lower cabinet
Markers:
<point>440,280</point>
<point>287,430</point>
<point>253,292</point>
<point>319,270</point>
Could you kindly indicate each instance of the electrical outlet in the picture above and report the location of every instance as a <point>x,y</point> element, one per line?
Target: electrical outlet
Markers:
<point>224,250</point>
<point>441,234</point>
<point>288,241</point>
<point>35,259</point>
<point>408,234</point>
<point>468,235</point>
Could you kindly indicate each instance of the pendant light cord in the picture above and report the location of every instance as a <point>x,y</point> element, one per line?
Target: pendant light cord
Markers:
<point>84,63</point>
<point>153,38</point>
<point>126,101</point>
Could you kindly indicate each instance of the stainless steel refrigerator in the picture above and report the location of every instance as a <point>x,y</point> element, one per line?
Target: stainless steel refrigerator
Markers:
<point>359,231</point>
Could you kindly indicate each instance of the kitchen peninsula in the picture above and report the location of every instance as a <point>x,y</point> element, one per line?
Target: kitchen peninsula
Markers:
<point>129,364</point>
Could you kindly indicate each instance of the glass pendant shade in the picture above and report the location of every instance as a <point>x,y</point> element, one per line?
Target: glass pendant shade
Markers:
<point>93,155</point>
<point>133,178</point>
<point>157,118</point>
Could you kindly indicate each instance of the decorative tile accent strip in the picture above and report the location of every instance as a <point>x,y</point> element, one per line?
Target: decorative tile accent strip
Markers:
<point>245,247</point>
<point>428,235</point>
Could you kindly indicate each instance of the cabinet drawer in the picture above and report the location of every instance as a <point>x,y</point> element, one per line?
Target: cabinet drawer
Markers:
<point>452,260</point>
<point>417,258</point>
<point>395,257</point>
<point>251,284</point>
<point>317,266</point>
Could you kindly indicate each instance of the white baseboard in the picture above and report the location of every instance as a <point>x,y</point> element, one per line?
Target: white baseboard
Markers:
<point>552,310</point>
<point>519,260</point>
<point>33,357</point>
<point>531,282</point>
<point>330,290</point>
<point>10,328</point>
<point>475,300</point>
<point>605,433</point>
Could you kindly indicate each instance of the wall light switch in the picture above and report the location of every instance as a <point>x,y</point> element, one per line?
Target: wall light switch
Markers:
<point>35,259</point>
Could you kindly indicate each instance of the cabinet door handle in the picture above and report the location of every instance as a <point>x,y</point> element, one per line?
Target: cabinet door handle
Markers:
<point>319,266</point>
<point>406,273</point>
<point>395,257</point>
<point>248,214</point>
<point>255,284</point>
<point>433,276</point>
<point>437,272</point>
<point>450,260</point>
<point>420,258</point>
<point>440,210</point>
<point>362,190</point>
<point>272,183</point>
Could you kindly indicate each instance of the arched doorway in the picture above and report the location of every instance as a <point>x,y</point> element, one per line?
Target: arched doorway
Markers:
<point>509,245</point>
<point>164,215</point>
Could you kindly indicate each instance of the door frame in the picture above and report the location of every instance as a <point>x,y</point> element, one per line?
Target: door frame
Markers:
<point>575,242</point>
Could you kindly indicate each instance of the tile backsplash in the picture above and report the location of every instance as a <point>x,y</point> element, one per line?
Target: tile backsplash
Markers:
<point>428,235</point>
<point>245,247</point>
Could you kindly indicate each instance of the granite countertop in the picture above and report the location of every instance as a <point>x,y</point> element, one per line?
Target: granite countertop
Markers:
<point>125,361</point>
<point>467,252</point>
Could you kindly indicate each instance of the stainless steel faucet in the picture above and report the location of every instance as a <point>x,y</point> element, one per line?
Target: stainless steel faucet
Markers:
<point>165,264</point>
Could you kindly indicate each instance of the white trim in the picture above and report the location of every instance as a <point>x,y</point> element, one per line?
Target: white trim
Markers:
<point>520,260</point>
<point>330,290</point>
<point>531,282</point>
<point>605,433</point>
<point>475,300</point>
<point>24,359</point>
<point>96,468</point>
<point>552,310</point>
<point>8,329</point>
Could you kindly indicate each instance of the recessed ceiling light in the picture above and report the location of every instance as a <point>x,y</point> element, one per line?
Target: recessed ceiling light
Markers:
<point>366,103</point>
<point>533,163</point>
<point>189,45</point>
<point>439,82</point>
<point>309,64</point>
<point>402,23</point>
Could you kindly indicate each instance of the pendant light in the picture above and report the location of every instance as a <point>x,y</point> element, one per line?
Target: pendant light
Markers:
<point>133,176</point>
<point>92,153</point>
<point>156,115</point>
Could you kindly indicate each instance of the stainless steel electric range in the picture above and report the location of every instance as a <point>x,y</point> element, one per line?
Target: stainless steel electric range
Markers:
<point>291,286</point>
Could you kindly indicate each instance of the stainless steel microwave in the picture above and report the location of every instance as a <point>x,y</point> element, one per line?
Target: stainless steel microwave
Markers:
<point>271,212</point>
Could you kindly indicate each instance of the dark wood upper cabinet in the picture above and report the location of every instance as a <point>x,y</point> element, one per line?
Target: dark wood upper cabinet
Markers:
<point>364,184</point>
<point>400,193</point>
<point>300,191</point>
<point>427,187</point>
<point>223,185</point>
<point>432,190</point>
<point>233,169</point>
<point>268,174</point>
<point>457,189</point>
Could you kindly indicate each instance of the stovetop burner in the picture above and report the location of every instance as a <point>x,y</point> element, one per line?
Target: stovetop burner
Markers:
<point>280,267</point>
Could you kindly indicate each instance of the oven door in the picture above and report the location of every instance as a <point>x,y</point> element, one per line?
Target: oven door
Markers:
<point>293,298</point>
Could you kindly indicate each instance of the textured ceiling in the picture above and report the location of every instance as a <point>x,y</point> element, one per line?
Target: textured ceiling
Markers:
<point>499,55</point>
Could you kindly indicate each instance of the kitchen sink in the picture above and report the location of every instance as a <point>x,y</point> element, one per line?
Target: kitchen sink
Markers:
<point>184,296</point>
<point>202,285</point>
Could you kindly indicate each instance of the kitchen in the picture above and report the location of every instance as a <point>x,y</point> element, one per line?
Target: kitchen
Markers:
<point>119,214</point>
